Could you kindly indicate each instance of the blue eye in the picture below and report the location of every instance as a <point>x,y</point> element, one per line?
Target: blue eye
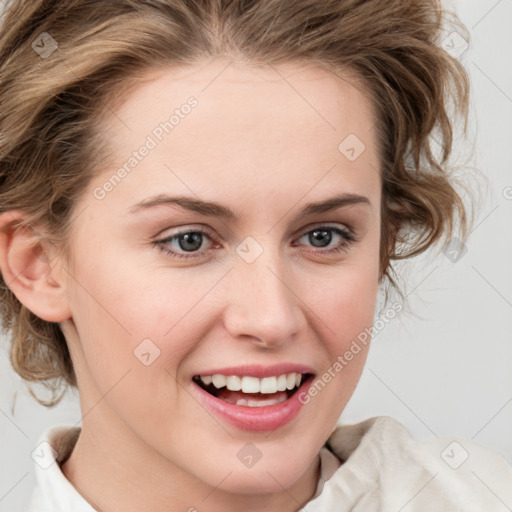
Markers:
<point>187,241</point>
<point>191,241</point>
<point>322,236</point>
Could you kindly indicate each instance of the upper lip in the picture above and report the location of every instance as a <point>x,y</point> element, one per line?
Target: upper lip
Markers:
<point>259,370</point>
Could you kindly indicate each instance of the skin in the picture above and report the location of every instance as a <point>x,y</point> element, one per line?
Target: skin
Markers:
<point>264,149</point>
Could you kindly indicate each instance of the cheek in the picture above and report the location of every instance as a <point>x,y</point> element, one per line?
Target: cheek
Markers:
<point>346,308</point>
<point>345,302</point>
<point>345,305</point>
<point>127,321</point>
<point>112,318</point>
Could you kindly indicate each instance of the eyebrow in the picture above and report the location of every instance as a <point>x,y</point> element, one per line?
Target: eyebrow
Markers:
<point>217,210</point>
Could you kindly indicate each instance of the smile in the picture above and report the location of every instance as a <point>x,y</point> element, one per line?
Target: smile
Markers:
<point>253,400</point>
<point>249,390</point>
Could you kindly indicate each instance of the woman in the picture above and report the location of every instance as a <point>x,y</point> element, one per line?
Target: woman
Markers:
<point>200,201</point>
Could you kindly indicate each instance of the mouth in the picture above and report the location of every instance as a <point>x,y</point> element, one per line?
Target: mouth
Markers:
<point>251,391</point>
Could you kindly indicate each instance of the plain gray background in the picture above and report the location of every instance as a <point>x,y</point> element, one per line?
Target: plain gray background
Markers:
<point>446,369</point>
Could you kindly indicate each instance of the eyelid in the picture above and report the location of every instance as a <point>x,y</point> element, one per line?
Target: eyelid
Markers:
<point>298,234</point>
<point>329,225</point>
<point>347,235</point>
<point>190,229</point>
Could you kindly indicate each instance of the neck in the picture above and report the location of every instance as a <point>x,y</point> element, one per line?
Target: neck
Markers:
<point>107,456</point>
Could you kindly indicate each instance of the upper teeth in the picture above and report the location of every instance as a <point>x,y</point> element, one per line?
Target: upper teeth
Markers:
<point>252,384</point>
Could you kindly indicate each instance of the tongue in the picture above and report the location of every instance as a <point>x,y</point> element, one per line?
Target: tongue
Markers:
<point>252,399</point>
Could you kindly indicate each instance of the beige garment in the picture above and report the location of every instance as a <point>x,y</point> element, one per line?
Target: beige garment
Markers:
<point>377,467</point>
<point>385,470</point>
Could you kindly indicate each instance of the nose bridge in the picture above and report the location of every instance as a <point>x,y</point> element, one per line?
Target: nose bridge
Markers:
<point>263,305</point>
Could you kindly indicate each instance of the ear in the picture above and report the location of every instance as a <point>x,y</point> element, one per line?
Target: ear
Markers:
<point>25,257</point>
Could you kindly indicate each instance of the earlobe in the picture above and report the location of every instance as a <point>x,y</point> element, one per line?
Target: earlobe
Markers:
<point>25,258</point>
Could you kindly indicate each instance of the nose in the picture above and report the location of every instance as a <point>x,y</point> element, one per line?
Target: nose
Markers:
<point>263,306</point>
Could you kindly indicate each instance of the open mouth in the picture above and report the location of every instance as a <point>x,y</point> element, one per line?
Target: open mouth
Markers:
<point>252,391</point>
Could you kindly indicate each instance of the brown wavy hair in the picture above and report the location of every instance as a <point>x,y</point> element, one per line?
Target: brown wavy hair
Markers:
<point>51,108</point>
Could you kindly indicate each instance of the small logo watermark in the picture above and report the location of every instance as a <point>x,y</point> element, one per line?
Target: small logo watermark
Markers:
<point>455,250</point>
<point>249,455</point>
<point>249,249</point>
<point>44,455</point>
<point>454,44</point>
<point>146,352</point>
<point>44,45</point>
<point>455,455</point>
<point>351,147</point>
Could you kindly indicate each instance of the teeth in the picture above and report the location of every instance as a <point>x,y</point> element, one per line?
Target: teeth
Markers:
<point>281,383</point>
<point>206,379</point>
<point>290,381</point>
<point>268,385</point>
<point>248,384</point>
<point>260,403</point>
<point>219,381</point>
<point>234,383</point>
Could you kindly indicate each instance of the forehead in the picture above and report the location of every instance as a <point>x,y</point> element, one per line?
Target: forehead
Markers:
<point>248,121</point>
<point>288,89</point>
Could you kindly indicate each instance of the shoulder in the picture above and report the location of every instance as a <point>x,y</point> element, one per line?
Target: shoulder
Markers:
<point>385,468</point>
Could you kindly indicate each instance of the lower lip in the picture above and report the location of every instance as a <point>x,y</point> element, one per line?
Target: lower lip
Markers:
<point>256,419</point>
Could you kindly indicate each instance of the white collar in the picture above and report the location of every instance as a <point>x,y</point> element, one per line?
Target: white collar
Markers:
<point>375,466</point>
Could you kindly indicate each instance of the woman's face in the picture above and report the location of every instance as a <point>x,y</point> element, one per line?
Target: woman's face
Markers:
<point>265,263</point>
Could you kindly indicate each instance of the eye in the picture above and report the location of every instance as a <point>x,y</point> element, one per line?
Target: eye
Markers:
<point>322,236</point>
<point>191,241</point>
<point>187,241</point>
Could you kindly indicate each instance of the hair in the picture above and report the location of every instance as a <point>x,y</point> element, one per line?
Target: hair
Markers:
<point>51,107</point>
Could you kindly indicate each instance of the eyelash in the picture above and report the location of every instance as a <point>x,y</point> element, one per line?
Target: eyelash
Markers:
<point>348,239</point>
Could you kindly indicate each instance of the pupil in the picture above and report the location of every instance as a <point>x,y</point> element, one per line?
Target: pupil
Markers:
<point>321,235</point>
<point>190,241</point>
